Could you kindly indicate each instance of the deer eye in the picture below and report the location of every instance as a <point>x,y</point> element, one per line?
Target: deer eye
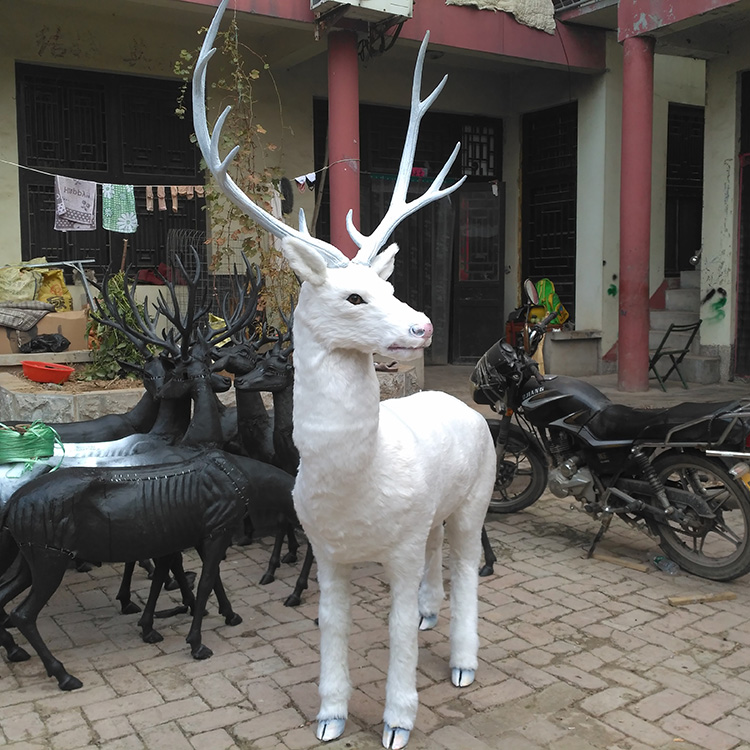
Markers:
<point>355,299</point>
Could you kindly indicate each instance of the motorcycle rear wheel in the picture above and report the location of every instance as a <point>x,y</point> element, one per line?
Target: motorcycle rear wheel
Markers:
<point>717,548</point>
<point>521,473</point>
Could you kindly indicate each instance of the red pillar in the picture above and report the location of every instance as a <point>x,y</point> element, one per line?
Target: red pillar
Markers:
<point>343,135</point>
<point>635,212</point>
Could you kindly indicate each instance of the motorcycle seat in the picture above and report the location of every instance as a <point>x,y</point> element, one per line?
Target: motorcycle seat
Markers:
<point>617,421</point>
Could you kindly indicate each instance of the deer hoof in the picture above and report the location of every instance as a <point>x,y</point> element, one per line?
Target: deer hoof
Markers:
<point>18,654</point>
<point>462,677</point>
<point>68,682</point>
<point>395,738</point>
<point>428,622</point>
<point>330,729</point>
<point>152,636</point>
<point>202,652</point>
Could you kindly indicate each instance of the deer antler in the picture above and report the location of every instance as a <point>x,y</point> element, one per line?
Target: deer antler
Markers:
<point>209,146</point>
<point>196,308</point>
<point>246,306</point>
<point>140,337</point>
<point>399,208</point>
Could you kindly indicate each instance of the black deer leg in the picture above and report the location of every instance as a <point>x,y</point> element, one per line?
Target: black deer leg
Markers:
<point>127,605</point>
<point>17,579</point>
<point>295,598</point>
<point>292,545</point>
<point>212,552</point>
<point>183,580</point>
<point>489,556</point>
<point>146,621</point>
<point>246,536</point>
<point>47,570</point>
<point>275,561</point>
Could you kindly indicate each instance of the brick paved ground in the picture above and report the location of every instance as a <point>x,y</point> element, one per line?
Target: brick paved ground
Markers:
<point>575,654</point>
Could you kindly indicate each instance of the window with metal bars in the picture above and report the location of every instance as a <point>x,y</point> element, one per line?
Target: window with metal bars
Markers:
<point>104,128</point>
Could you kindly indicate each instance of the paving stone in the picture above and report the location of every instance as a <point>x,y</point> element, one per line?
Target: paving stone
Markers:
<point>575,654</point>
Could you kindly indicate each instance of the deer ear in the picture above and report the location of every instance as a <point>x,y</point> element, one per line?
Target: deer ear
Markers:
<point>305,261</point>
<point>384,261</point>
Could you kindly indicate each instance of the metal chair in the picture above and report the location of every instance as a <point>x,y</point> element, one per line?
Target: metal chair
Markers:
<point>669,348</point>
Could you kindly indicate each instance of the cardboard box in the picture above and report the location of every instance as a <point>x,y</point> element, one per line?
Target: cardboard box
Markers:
<point>72,325</point>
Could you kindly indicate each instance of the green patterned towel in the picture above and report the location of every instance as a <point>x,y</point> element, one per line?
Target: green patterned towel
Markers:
<point>118,209</point>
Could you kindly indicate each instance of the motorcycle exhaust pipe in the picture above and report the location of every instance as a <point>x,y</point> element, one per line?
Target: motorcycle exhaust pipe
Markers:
<point>741,473</point>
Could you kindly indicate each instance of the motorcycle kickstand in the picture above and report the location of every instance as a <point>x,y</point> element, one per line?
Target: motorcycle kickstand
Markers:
<point>606,521</point>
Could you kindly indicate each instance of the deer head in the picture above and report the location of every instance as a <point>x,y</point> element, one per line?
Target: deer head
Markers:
<point>272,370</point>
<point>349,303</point>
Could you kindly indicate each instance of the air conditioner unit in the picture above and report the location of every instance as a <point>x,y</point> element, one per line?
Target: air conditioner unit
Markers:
<point>366,10</point>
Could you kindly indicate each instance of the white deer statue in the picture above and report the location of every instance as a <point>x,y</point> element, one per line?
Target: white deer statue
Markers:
<point>377,481</point>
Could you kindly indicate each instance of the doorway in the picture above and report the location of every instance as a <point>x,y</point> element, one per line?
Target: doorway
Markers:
<point>451,251</point>
<point>549,167</point>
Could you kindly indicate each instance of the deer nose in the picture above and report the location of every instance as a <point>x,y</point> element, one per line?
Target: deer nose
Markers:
<point>422,332</point>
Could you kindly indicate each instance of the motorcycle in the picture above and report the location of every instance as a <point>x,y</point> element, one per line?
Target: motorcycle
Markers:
<point>679,474</point>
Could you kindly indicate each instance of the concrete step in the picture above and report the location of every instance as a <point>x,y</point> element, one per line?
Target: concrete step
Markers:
<point>676,340</point>
<point>661,319</point>
<point>695,368</point>
<point>683,299</point>
<point>690,279</point>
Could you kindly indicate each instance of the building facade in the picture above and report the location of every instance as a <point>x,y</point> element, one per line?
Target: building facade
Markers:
<point>90,90</point>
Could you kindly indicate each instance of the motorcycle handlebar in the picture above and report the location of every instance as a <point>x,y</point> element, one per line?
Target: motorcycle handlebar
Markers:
<point>538,329</point>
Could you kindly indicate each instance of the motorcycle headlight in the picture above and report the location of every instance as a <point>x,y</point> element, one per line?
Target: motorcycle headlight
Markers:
<point>488,384</point>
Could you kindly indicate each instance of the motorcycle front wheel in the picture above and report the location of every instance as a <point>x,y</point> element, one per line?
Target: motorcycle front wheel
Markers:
<point>715,548</point>
<point>521,473</point>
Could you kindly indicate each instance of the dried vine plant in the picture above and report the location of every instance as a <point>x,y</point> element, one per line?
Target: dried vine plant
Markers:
<point>253,168</point>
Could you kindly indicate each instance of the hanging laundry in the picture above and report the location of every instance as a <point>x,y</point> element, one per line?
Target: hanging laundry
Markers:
<point>173,191</point>
<point>118,208</point>
<point>301,182</point>
<point>149,198</point>
<point>75,205</point>
<point>161,196</point>
<point>200,191</point>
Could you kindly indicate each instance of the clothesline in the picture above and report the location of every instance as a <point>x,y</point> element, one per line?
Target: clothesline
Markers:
<point>54,174</point>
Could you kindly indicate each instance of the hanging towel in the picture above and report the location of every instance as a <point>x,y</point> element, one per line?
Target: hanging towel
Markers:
<point>75,205</point>
<point>118,208</point>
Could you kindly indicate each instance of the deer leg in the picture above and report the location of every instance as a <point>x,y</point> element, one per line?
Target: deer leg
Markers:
<point>16,580</point>
<point>465,542</point>
<point>183,581</point>
<point>225,607</point>
<point>292,545</point>
<point>47,569</point>
<point>431,589</point>
<point>295,598</point>
<point>275,561</point>
<point>146,621</point>
<point>127,605</point>
<point>404,572</point>
<point>489,556</point>
<point>212,552</point>
<point>334,617</point>
<point>246,537</point>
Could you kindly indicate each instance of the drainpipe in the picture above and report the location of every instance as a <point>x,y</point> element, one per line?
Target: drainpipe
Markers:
<point>635,212</point>
<point>343,136</point>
